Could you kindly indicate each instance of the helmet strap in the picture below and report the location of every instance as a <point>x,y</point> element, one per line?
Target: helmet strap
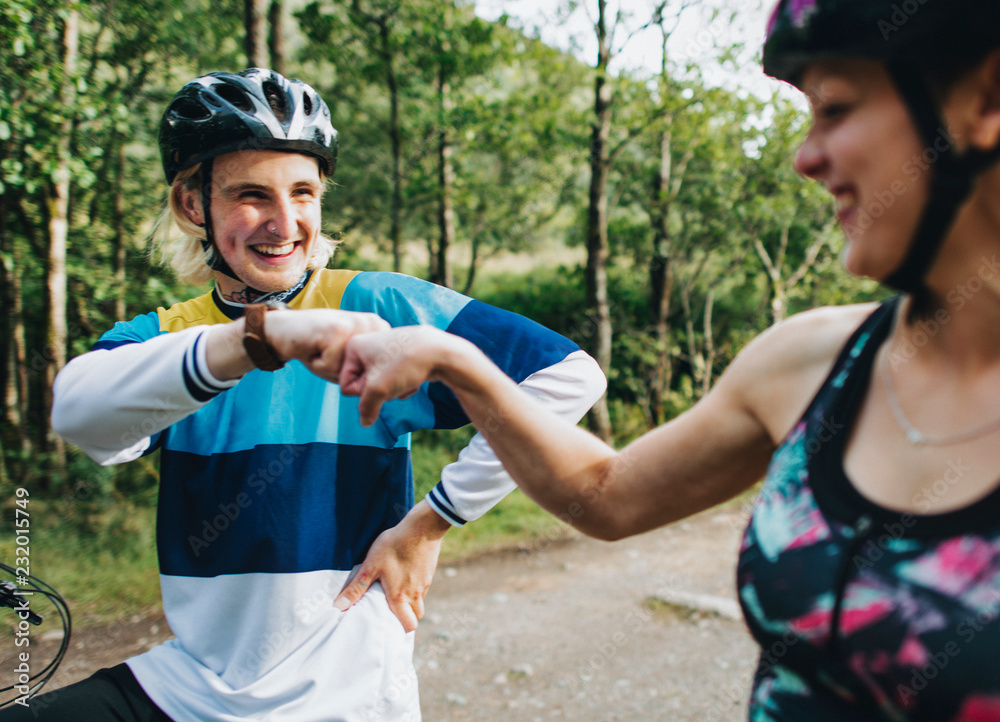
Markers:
<point>216,262</point>
<point>952,181</point>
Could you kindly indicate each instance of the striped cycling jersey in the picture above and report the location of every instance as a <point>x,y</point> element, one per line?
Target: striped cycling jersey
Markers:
<point>271,492</point>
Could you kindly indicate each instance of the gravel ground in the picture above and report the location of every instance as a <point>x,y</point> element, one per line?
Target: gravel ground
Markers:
<point>579,631</point>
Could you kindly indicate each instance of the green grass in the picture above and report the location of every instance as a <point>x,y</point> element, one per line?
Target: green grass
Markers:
<point>516,522</point>
<point>100,558</point>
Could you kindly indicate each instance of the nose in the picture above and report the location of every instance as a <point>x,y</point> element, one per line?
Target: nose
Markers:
<point>282,222</point>
<point>811,160</point>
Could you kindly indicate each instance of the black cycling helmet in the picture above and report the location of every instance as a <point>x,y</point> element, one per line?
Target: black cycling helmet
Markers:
<point>917,40</point>
<point>256,109</point>
<point>927,33</point>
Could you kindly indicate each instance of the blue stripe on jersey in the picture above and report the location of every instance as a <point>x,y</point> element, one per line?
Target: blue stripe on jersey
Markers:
<point>140,328</point>
<point>402,300</point>
<point>518,345</point>
<point>405,301</point>
<point>514,343</point>
<point>289,406</point>
<point>278,509</point>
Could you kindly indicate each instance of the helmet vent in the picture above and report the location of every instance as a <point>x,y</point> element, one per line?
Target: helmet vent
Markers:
<point>307,104</point>
<point>189,109</point>
<point>235,96</point>
<point>276,99</point>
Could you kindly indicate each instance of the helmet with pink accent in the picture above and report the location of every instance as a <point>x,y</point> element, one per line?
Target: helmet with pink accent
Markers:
<point>924,44</point>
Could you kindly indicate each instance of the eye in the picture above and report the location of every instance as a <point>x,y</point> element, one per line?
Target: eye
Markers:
<point>832,111</point>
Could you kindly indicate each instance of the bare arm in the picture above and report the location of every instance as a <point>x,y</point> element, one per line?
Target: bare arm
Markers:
<point>316,337</point>
<point>698,460</point>
<point>707,455</point>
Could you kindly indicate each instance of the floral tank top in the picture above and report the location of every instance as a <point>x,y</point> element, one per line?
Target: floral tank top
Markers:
<point>864,613</point>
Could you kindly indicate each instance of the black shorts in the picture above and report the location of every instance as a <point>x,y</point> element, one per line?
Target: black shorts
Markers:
<point>109,695</point>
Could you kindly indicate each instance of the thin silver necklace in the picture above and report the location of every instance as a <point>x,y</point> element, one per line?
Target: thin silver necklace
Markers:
<point>917,437</point>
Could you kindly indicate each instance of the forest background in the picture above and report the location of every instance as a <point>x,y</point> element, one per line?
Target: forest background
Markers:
<point>650,217</point>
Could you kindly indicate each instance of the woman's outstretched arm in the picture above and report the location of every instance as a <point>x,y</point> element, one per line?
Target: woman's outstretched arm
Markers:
<point>703,457</point>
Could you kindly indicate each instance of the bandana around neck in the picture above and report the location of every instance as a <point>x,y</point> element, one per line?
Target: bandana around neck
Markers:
<point>251,295</point>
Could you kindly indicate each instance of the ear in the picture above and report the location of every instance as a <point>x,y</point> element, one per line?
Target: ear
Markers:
<point>986,131</point>
<point>189,201</point>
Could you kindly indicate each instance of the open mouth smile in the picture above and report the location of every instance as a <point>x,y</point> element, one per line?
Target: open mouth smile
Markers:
<point>275,251</point>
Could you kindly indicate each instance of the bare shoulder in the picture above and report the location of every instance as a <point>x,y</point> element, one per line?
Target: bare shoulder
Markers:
<point>777,374</point>
<point>807,338</point>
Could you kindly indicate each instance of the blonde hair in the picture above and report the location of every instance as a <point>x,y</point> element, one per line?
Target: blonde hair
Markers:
<point>176,241</point>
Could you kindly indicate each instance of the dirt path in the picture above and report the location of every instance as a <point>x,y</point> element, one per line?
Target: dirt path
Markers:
<point>567,631</point>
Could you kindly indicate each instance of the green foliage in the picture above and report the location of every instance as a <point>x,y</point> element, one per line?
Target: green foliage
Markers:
<point>431,451</point>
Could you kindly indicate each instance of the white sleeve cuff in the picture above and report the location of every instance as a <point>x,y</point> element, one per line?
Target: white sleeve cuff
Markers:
<point>199,379</point>
<point>476,482</point>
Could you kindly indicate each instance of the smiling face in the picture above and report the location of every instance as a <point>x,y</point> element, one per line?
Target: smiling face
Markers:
<point>265,216</point>
<point>864,147</point>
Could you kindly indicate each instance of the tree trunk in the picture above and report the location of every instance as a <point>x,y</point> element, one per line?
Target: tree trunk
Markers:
<point>17,393</point>
<point>276,36</point>
<point>780,289</point>
<point>255,41</point>
<point>661,281</point>
<point>702,360</point>
<point>12,368</point>
<point>15,357</point>
<point>7,271</point>
<point>660,269</point>
<point>710,350</point>
<point>396,141</point>
<point>57,203</point>
<point>470,277</point>
<point>118,244</point>
<point>597,223</point>
<point>365,21</point>
<point>446,182</point>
